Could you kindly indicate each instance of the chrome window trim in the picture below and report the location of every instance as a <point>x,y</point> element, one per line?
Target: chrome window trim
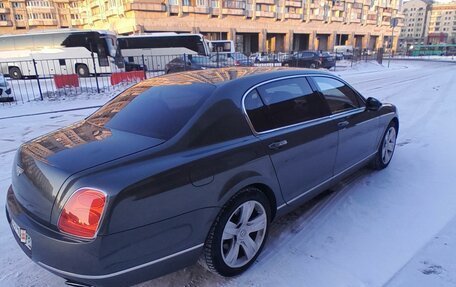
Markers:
<point>74,275</point>
<point>304,123</point>
<point>358,95</point>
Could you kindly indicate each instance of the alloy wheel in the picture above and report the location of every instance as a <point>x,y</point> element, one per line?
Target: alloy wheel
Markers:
<point>389,143</point>
<point>243,234</point>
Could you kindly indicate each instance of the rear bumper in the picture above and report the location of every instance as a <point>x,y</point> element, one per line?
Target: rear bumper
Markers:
<point>120,259</point>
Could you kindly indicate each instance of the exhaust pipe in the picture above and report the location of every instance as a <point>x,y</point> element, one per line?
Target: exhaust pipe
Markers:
<point>76,284</point>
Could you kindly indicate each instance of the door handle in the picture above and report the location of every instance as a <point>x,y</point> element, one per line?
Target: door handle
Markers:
<point>277,145</point>
<point>343,124</point>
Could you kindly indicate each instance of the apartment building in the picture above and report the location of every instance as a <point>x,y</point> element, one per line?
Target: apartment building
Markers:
<point>254,25</point>
<point>416,22</point>
<point>426,22</point>
<point>442,23</point>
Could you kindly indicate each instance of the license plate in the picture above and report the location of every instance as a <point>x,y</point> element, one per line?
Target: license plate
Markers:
<point>22,234</point>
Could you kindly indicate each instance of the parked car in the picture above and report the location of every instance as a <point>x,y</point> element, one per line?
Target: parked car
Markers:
<point>190,62</point>
<point>338,56</point>
<point>5,90</point>
<point>310,59</point>
<point>187,166</point>
<point>131,66</point>
<point>346,50</point>
<point>232,59</point>
<point>263,58</point>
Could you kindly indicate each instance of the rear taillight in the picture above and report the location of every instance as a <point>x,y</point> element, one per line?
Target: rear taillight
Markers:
<point>237,63</point>
<point>82,213</point>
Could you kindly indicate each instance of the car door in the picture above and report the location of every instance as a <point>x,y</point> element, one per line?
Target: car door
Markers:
<point>294,125</point>
<point>358,127</point>
<point>305,59</point>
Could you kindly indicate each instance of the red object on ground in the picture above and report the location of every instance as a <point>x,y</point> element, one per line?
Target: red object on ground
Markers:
<point>65,81</point>
<point>132,76</point>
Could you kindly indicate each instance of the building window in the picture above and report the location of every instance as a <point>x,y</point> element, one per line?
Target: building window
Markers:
<point>16,5</point>
<point>19,17</point>
<point>2,17</point>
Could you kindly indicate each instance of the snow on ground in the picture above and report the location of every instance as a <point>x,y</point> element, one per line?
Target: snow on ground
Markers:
<point>428,57</point>
<point>395,227</point>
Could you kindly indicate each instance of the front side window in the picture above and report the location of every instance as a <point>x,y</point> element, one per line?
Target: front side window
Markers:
<point>339,96</point>
<point>283,103</point>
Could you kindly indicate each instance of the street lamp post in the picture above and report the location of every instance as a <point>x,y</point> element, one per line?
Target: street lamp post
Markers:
<point>393,25</point>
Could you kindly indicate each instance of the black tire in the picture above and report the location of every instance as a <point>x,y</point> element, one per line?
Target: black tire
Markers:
<point>15,73</point>
<point>379,161</point>
<point>82,70</point>
<point>212,258</point>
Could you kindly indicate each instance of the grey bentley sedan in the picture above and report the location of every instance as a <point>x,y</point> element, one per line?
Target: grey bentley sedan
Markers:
<point>189,166</point>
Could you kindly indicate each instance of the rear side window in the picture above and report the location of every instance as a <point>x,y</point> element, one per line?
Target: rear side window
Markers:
<point>283,103</point>
<point>159,112</point>
<point>339,96</point>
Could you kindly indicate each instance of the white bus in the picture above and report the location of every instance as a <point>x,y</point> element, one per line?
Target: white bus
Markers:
<point>64,51</point>
<point>157,49</point>
<point>222,46</point>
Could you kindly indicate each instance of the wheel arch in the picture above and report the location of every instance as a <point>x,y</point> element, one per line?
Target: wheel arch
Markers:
<point>269,188</point>
<point>76,64</point>
<point>395,120</point>
<point>269,194</point>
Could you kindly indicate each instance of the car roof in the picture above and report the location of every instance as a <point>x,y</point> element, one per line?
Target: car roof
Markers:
<point>222,76</point>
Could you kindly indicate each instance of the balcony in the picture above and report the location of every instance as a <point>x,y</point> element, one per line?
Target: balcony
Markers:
<point>21,23</point>
<point>337,19</point>
<point>232,11</point>
<point>77,22</point>
<point>202,10</point>
<point>349,1</point>
<point>297,4</point>
<point>4,10</point>
<point>265,2</point>
<point>64,10</point>
<point>188,9</point>
<point>371,22</point>
<point>265,14</point>
<point>174,9</point>
<point>386,23</point>
<point>355,20</point>
<point>94,3</point>
<point>293,16</point>
<point>386,13</point>
<point>42,22</point>
<point>145,6</point>
<point>6,23</point>
<point>317,17</point>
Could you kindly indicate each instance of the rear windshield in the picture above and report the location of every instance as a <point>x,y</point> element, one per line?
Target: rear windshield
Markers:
<point>159,112</point>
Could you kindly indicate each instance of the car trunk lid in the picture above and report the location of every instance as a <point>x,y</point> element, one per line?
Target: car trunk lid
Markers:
<point>42,165</point>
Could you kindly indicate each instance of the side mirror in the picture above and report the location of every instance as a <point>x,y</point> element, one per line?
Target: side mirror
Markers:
<point>373,104</point>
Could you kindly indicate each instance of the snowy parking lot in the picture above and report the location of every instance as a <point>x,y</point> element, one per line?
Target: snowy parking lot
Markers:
<point>395,227</point>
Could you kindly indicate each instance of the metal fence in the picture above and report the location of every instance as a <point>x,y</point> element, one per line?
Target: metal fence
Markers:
<point>58,78</point>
